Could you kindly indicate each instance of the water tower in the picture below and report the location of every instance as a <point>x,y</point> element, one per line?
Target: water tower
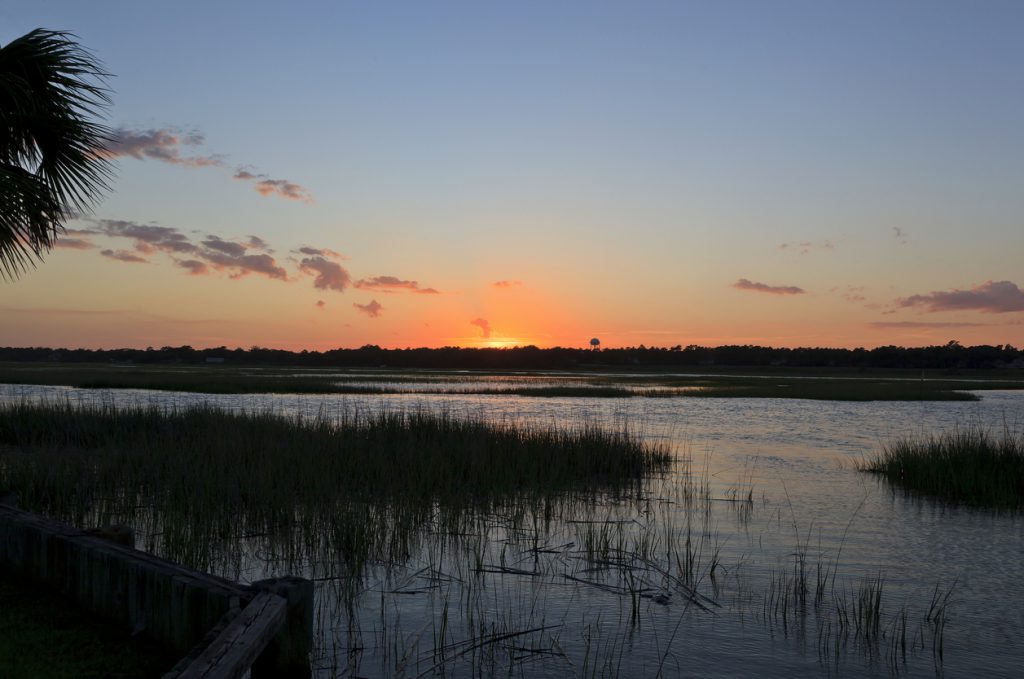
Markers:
<point>595,344</point>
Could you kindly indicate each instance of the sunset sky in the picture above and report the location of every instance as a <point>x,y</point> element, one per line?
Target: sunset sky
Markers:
<point>333,174</point>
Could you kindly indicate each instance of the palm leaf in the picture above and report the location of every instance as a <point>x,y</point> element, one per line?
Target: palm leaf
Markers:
<point>51,162</point>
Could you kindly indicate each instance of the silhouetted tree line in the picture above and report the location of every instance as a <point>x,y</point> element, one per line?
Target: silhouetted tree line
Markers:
<point>947,356</point>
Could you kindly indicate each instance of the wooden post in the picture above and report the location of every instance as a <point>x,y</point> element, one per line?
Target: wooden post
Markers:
<point>232,652</point>
<point>287,654</point>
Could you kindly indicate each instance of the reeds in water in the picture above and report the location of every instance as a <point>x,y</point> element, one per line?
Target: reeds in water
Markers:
<point>356,486</point>
<point>971,465</point>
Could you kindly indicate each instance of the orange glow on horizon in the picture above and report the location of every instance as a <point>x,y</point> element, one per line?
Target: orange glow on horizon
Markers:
<point>502,343</point>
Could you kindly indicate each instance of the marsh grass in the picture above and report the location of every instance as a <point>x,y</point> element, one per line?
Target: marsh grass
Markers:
<point>357,487</point>
<point>969,465</point>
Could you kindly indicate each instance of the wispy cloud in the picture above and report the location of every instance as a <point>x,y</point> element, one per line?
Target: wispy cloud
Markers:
<point>319,252</point>
<point>239,266</point>
<point>211,254</point>
<point>225,247</point>
<point>282,188</point>
<point>373,309</point>
<point>744,284</point>
<point>484,325</point>
<point>806,247</point>
<point>919,325</point>
<point>997,297</point>
<point>328,275</point>
<point>163,238</point>
<point>74,244</point>
<point>393,284</point>
<point>124,256</point>
<point>899,235</point>
<point>164,145</point>
<point>506,284</point>
<point>193,266</point>
<point>170,145</point>
<point>259,244</point>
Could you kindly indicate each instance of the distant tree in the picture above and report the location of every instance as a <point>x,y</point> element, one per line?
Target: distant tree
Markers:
<point>51,166</point>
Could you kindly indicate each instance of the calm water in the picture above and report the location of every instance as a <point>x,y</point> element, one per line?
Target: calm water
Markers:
<point>795,458</point>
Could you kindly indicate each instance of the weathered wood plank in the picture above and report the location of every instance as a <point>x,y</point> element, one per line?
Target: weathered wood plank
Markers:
<point>234,651</point>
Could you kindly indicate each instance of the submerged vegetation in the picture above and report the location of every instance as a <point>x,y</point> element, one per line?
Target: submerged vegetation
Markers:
<point>753,383</point>
<point>971,465</point>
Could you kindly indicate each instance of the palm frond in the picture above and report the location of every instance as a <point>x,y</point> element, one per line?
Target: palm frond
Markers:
<point>51,161</point>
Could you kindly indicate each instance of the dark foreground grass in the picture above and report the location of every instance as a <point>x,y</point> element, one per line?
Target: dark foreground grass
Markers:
<point>357,487</point>
<point>45,635</point>
<point>971,466</point>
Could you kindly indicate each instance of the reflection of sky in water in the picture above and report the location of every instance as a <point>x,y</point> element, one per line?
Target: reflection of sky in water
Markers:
<point>799,457</point>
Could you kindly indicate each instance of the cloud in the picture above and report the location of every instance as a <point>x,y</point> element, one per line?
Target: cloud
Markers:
<point>806,247</point>
<point>265,186</point>
<point>484,325</point>
<point>744,284</point>
<point>997,297</point>
<point>239,266</point>
<point>320,304</point>
<point>163,238</point>
<point>73,244</point>
<point>238,258</point>
<point>259,244</point>
<point>193,266</point>
<point>284,189</point>
<point>506,284</point>
<point>393,284</point>
<point>212,253</point>
<point>167,145</point>
<point>226,247</point>
<point>164,145</point>
<point>914,324</point>
<point>124,256</point>
<point>372,309</point>
<point>329,275</point>
<point>319,252</point>
<point>900,235</point>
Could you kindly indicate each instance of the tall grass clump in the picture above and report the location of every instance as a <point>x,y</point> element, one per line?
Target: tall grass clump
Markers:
<point>349,489</point>
<point>972,466</point>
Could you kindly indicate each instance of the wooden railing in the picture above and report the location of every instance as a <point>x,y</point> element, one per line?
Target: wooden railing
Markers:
<point>267,625</point>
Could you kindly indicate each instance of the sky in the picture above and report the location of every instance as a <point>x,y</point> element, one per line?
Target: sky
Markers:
<point>314,175</point>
